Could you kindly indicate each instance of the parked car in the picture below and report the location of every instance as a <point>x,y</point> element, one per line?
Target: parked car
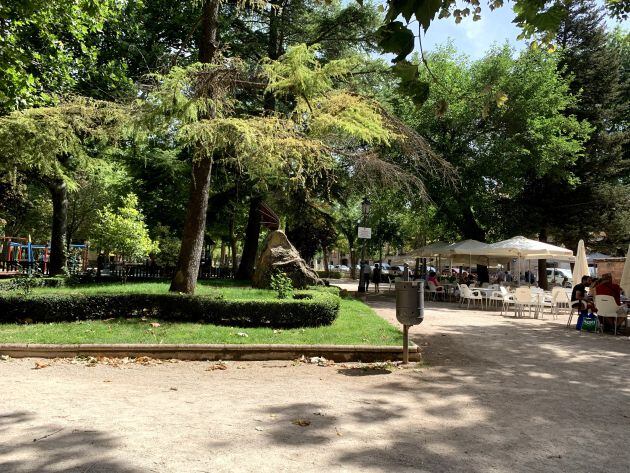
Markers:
<point>559,274</point>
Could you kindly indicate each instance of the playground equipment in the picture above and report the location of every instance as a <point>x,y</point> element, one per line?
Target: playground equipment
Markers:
<point>21,255</point>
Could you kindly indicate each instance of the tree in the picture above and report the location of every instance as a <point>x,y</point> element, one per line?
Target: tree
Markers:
<point>124,232</point>
<point>504,127</point>
<point>197,101</point>
<point>49,143</point>
<point>592,60</point>
<point>50,48</point>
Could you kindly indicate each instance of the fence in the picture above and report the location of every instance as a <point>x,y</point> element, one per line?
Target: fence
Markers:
<point>144,271</point>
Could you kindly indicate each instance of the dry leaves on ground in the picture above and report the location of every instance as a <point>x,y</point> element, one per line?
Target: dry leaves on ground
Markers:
<point>301,422</point>
<point>217,366</point>
<point>40,364</point>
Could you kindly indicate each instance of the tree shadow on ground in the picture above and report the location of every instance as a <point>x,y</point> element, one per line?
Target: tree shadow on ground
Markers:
<point>503,395</point>
<point>47,448</point>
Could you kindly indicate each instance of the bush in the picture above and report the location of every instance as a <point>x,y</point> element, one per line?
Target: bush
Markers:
<point>307,309</point>
<point>17,284</point>
<point>282,284</point>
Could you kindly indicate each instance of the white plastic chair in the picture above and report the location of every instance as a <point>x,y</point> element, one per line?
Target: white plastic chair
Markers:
<point>522,298</point>
<point>494,297</point>
<point>508,299</point>
<point>559,297</point>
<point>435,290</point>
<point>471,295</point>
<point>607,307</point>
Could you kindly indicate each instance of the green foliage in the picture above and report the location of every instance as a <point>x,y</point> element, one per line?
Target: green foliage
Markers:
<point>312,309</point>
<point>48,47</point>
<point>26,283</point>
<point>282,284</point>
<point>124,232</point>
<point>49,139</point>
<point>497,145</point>
<point>168,246</point>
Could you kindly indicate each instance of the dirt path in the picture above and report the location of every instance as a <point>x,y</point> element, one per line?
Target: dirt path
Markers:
<point>496,395</point>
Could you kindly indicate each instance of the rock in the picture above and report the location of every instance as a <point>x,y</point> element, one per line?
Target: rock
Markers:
<point>280,254</point>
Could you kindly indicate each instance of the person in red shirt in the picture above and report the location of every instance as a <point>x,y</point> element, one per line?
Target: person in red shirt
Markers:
<point>608,288</point>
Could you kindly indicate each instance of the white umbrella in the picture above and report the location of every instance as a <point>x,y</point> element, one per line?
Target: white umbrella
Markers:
<point>428,251</point>
<point>581,264</point>
<point>524,248</point>
<point>625,277</point>
<point>521,247</point>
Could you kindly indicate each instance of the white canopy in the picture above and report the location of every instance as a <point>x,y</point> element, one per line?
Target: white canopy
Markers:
<point>581,264</point>
<point>428,251</point>
<point>625,277</point>
<point>465,247</point>
<point>521,247</point>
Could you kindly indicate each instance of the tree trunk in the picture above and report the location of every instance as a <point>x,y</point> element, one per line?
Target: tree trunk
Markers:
<point>542,264</point>
<point>353,263</point>
<point>325,251</point>
<point>222,256</point>
<point>58,247</point>
<point>250,246</point>
<point>233,243</point>
<point>187,271</point>
<point>185,278</point>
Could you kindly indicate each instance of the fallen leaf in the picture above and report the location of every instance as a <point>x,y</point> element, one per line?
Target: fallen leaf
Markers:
<point>301,422</point>
<point>40,364</point>
<point>155,324</point>
<point>338,433</point>
<point>173,388</point>
<point>217,366</point>
<point>107,380</point>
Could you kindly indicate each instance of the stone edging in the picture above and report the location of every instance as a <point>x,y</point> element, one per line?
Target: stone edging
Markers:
<point>214,352</point>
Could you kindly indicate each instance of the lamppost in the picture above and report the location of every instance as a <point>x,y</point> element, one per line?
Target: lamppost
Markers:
<point>365,210</point>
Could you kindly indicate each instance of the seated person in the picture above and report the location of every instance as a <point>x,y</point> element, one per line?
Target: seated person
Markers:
<point>606,287</point>
<point>578,298</point>
<point>433,279</point>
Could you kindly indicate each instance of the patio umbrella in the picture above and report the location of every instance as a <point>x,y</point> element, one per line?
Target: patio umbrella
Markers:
<point>581,264</point>
<point>625,277</point>
<point>524,248</point>
<point>464,248</point>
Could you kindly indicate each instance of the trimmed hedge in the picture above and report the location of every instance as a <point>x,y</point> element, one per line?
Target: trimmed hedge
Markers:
<point>307,309</point>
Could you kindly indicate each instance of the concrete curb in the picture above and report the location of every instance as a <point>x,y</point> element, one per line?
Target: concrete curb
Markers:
<point>363,353</point>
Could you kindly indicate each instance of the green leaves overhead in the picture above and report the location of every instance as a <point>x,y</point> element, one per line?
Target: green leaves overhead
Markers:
<point>410,83</point>
<point>396,38</point>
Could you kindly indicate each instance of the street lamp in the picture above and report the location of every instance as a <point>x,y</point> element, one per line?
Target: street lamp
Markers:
<point>365,210</point>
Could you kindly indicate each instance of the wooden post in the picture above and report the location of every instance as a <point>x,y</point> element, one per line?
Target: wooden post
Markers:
<point>405,344</point>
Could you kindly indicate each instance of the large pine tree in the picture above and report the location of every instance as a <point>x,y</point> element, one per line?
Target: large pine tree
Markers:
<point>599,202</point>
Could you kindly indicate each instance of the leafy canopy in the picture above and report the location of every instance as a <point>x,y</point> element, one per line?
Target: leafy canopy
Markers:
<point>124,232</point>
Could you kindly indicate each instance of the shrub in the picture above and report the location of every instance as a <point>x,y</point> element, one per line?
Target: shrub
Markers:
<point>307,309</point>
<point>282,284</point>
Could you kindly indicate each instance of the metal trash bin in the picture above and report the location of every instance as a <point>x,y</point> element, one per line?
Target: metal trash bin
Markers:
<point>410,302</point>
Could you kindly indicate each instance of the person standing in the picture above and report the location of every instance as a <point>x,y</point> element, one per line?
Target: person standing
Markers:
<point>376,277</point>
<point>366,271</point>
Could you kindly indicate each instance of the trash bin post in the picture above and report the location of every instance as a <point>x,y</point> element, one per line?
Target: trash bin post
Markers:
<point>409,309</point>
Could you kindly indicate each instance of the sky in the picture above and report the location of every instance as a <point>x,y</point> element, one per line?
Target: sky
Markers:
<point>474,38</point>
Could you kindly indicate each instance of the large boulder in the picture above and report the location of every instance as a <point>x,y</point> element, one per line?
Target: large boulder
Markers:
<point>280,255</point>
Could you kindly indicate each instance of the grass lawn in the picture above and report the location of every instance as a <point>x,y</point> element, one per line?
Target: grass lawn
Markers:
<point>356,324</point>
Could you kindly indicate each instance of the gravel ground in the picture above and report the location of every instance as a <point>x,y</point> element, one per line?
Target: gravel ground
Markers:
<point>494,394</point>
